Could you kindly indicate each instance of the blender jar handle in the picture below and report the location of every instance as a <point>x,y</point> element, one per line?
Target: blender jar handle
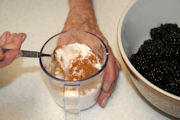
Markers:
<point>71,101</point>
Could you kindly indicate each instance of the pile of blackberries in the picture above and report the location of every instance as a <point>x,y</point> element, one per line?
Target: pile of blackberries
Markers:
<point>158,58</point>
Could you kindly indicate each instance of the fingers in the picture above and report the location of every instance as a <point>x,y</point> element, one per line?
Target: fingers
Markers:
<point>14,41</point>
<point>1,54</point>
<point>109,75</point>
<point>110,79</point>
<point>4,38</point>
<point>102,99</point>
<point>9,57</point>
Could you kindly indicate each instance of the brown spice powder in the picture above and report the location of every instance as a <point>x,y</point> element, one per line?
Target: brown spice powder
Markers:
<point>80,69</point>
<point>83,68</point>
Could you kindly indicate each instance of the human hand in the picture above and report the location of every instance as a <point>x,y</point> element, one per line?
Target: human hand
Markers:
<point>81,17</point>
<point>112,69</point>
<point>111,72</point>
<point>11,41</point>
<point>110,77</point>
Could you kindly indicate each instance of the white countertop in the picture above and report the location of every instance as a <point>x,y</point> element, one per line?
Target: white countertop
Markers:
<point>23,93</point>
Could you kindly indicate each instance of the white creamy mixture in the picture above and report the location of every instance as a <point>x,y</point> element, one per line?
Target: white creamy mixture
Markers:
<point>65,55</point>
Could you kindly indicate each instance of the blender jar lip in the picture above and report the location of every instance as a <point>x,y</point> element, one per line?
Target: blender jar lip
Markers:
<point>102,68</point>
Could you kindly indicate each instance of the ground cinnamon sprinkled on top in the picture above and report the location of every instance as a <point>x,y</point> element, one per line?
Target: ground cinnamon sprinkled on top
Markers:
<point>83,68</point>
<point>75,62</point>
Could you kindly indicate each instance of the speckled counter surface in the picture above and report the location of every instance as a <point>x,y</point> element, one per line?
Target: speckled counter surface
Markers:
<point>23,93</point>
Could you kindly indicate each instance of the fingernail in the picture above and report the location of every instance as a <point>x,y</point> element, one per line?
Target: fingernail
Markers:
<point>104,102</point>
<point>23,37</point>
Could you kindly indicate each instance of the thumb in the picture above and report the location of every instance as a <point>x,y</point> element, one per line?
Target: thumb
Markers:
<point>1,54</point>
<point>9,57</point>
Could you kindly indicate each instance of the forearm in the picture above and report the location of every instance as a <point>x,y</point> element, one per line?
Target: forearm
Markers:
<point>82,7</point>
<point>81,16</point>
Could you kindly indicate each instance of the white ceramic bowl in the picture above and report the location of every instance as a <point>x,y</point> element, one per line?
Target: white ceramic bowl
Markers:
<point>134,27</point>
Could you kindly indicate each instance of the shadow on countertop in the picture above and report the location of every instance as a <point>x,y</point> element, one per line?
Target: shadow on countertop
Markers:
<point>9,73</point>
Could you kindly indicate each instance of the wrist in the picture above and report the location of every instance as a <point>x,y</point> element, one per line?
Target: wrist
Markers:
<point>82,5</point>
<point>81,15</point>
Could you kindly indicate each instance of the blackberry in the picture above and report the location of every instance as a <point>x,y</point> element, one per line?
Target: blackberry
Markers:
<point>158,58</point>
<point>164,29</point>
